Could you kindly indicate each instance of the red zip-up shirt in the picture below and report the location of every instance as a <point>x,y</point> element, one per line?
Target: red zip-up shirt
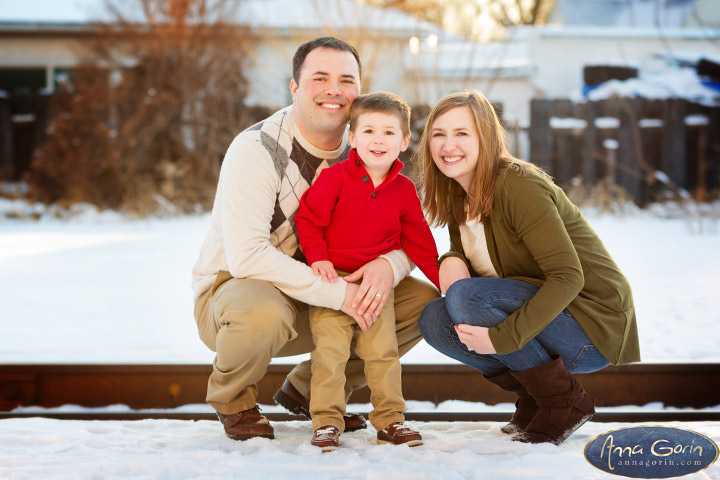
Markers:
<point>343,218</point>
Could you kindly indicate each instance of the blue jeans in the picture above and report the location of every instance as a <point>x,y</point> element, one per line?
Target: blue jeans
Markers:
<point>486,302</point>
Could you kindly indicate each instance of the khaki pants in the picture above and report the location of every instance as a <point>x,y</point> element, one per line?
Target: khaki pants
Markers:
<point>333,332</point>
<point>247,322</point>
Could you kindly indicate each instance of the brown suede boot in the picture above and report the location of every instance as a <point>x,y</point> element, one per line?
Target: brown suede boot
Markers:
<point>525,407</point>
<point>563,405</point>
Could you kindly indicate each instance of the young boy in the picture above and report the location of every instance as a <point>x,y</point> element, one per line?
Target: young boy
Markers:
<point>356,211</point>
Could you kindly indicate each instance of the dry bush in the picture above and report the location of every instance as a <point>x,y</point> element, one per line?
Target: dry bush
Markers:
<point>151,113</point>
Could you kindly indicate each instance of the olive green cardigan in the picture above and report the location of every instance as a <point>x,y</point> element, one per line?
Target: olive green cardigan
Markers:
<point>537,235</point>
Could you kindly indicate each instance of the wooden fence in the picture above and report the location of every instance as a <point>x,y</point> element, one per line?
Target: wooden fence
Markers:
<point>645,146</point>
<point>639,144</point>
<point>23,120</point>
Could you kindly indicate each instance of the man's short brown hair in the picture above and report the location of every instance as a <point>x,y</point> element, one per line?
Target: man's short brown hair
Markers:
<point>384,102</point>
<point>331,43</point>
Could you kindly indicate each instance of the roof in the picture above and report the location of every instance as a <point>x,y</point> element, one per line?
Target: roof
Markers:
<point>460,59</point>
<point>624,13</point>
<point>281,15</point>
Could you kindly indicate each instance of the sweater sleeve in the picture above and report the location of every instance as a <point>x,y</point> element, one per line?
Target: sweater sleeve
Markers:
<point>248,191</point>
<point>531,210</point>
<point>456,248</point>
<point>416,238</point>
<point>315,213</point>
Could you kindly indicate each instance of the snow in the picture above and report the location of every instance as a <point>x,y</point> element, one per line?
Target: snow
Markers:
<point>94,287</point>
<point>670,83</point>
<point>172,449</point>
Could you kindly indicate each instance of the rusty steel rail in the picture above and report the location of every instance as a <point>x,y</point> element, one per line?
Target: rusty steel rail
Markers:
<point>644,416</point>
<point>688,385</point>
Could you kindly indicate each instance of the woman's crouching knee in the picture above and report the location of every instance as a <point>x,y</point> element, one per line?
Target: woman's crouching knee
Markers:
<point>433,320</point>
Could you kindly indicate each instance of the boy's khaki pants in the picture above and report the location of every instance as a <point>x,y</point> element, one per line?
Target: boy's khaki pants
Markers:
<point>247,322</point>
<point>333,332</point>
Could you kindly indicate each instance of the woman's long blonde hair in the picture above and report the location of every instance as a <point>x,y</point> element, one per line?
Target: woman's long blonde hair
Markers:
<point>444,197</point>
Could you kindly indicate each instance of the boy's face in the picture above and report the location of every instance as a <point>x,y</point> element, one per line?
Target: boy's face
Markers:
<point>379,139</point>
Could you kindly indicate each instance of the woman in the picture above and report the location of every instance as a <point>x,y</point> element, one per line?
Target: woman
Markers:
<point>531,293</point>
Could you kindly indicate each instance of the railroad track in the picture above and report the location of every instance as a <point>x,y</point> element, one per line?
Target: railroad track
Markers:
<point>691,386</point>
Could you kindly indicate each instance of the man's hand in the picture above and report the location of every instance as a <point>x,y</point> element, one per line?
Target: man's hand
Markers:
<point>452,269</point>
<point>377,280</point>
<point>476,339</point>
<point>347,307</point>
<point>325,269</point>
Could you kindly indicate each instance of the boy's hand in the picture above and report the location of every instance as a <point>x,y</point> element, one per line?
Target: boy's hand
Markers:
<point>325,269</point>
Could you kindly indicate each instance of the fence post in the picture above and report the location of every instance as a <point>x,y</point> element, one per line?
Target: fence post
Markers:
<point>6,144</point>
<point>589,169</point>
<point>674,162</point>
<point>541,136</point>
<point>713,149</point>
<point>629,172</point>
<point>563,143</point>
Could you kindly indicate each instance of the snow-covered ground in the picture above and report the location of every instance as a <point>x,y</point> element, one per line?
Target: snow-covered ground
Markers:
<point>99,288</point>
<point>171,449</point>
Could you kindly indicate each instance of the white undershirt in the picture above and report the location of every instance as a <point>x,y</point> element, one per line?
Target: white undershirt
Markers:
<point>472,235</point>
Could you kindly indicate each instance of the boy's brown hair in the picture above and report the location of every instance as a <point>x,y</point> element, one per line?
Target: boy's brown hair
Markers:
<point>384,102</point>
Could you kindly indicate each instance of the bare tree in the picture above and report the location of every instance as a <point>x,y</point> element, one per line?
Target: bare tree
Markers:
<point>151,111</point>
<point>478,19</point>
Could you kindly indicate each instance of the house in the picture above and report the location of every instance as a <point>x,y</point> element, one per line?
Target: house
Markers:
<point>40,41</point>
<point>651,36</point>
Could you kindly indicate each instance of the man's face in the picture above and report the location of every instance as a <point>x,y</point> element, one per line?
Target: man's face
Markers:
<point>329,82</point>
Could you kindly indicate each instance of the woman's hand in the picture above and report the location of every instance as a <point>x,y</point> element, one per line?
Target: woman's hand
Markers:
<point>452,269</point>
<point>377,280</point>
<point>476,339</point>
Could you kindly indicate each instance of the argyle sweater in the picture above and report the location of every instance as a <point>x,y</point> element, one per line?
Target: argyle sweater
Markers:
<point>266,170</point>
<point>343,218</point>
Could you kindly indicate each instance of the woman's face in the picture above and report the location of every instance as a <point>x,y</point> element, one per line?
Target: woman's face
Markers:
<point>455,145</point>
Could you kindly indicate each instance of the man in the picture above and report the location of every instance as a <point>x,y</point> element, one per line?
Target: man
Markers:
<point>251,284</point>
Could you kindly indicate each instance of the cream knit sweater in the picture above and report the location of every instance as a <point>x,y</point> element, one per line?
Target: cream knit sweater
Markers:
<point>252,234</point>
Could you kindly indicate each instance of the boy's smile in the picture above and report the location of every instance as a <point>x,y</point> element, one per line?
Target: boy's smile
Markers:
<point>379,139</point>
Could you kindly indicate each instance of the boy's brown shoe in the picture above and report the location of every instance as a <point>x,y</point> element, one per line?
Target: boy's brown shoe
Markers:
<point>246,425</point>
<point>327,438</point>
<point>399,434</point>
<point>290,398</point>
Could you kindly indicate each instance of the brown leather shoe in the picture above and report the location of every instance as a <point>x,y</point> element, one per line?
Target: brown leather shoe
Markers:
<point>290,398</point>
<point>327,438</point>
<point>399,434</point>
<point>246,425</point>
